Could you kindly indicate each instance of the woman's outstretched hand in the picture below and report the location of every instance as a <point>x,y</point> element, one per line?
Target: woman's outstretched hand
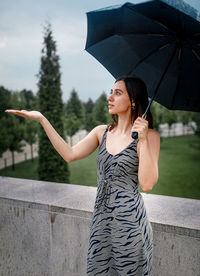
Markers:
<point>32,115</point>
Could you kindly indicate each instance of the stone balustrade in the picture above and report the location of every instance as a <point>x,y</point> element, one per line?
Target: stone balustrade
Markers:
<point>44,230</point>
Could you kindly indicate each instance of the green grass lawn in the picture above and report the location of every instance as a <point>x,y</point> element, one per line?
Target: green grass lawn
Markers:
<point>179,168</point>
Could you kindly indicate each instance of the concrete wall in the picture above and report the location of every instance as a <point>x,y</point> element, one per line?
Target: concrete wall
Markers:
<point>177,129</point>
<point>44,229</point>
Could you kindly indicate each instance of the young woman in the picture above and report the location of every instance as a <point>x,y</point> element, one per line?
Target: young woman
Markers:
<point>121,235</point>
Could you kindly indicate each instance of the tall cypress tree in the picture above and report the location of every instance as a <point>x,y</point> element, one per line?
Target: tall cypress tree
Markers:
<point>51,166</point>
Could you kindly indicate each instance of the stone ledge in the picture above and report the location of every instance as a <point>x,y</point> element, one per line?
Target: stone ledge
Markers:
<point>45,229</point>
<point>171,214</point>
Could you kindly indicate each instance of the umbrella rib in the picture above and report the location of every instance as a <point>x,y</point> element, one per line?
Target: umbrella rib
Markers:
<point>165,71</point>
<point>159,23</point>
<point>147,56</point>
<point>147,33</point>
<point>123,34</point>
<point>161,79</point>
<point>178,78</point>
<point>196,55</point>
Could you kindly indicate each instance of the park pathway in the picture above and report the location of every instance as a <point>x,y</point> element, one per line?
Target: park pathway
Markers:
<point>6,159</point>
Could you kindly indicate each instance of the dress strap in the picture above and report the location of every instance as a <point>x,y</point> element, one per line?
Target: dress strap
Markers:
<point>105,132</point>
<point>104,136</point>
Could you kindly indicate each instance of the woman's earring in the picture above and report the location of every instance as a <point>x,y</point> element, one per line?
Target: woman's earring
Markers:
<point>132,107</point>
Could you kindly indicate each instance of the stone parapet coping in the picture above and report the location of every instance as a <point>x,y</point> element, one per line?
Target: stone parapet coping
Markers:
<point>166,213</point>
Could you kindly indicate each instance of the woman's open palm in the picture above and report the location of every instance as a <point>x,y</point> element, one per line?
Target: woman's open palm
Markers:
<point>32,115</point>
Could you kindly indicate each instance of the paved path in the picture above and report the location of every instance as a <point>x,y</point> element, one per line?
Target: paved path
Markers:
<point>6,159</point>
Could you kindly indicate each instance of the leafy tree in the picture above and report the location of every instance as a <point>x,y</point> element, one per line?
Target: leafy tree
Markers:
<point>5,103</point>
<point>100,110</point>
<point>51,166</point>
<point>74,106</point>
<point>72,125</point>
<point>18,102</point>
<point>89,105</point>
<point>15,135</point>
<point>30,99</point>
<point>183,117</point>
<point>158,114</point>
<point>196,119</point>
<point>74,114</point>
<point>89,122</point>
<point>170,117</point>
<point>30,135</point>
<point>163,115</point>
<point>4,141</point>
<point>5,100</point>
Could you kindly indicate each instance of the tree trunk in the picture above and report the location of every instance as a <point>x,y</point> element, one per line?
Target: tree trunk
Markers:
<point>70,141</point>
<point>31,152</point>
<point>13,160</point>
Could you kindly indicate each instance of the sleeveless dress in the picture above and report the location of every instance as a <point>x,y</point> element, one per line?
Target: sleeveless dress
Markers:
<point>120,242</point>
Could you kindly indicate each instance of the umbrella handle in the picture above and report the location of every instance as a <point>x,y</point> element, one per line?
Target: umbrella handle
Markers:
<point>134,135</point>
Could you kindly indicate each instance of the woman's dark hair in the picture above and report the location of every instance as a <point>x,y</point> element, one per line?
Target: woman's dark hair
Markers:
<point>137,92</point>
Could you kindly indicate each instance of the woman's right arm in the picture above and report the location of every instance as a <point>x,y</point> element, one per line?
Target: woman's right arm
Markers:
<point>82,149</point>
<point>69,154</point>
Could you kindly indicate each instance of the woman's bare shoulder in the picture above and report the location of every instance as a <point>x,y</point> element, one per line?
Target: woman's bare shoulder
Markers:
<point>101,128</point>
<point>99,131</point>
<point>152,133</point>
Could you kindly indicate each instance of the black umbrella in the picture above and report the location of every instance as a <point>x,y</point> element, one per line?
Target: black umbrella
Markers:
<point>155,41</point>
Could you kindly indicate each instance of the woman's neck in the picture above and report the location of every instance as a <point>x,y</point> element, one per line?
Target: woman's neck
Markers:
<point>124,124</point>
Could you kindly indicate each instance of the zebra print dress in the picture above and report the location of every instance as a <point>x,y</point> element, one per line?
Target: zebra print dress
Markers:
<point>120,241</point>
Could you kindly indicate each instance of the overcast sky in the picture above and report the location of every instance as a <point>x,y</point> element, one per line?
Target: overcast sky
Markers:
<point>21,37</point>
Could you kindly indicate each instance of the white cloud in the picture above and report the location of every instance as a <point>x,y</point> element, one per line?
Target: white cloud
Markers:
<point>3,42</point>
<point>70,35</point>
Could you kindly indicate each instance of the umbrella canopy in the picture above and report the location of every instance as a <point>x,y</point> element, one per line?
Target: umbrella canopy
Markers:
<point>155,41</point>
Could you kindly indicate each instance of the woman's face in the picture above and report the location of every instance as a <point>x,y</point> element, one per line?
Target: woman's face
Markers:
<point>118,101</point>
